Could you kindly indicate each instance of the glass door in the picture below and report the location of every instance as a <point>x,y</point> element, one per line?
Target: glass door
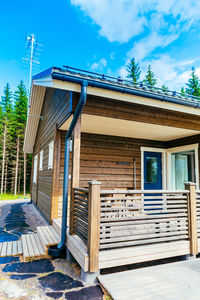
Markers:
<point>152,170</point>
<point>182,169</point>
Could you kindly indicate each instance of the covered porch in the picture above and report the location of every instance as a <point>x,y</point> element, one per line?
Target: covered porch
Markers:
<point>128,201</point>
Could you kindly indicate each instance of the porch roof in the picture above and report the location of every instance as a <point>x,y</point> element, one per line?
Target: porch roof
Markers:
<point>102,86</point>
<point>125,128</point>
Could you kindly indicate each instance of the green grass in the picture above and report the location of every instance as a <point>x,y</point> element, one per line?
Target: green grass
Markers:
<point>13,197</point>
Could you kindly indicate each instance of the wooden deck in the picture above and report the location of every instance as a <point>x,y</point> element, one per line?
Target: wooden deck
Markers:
<point>31,245</point>
<point>173,281</point>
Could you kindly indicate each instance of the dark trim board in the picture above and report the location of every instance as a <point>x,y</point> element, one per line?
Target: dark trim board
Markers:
<point>184,141</point>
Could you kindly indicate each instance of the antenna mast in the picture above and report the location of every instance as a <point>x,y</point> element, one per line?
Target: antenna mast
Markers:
<point>31,59</point>
<point>32,42</point>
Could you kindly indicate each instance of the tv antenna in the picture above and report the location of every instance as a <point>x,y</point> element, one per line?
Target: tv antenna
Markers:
<point>32,57</point>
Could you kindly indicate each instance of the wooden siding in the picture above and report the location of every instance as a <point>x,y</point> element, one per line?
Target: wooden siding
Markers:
<point>134,112</point>
<point>108,159</point>
<point>55,109</point>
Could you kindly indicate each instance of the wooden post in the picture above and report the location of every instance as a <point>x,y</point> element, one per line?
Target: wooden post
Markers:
<point>75,172</point>
<point>192,217</point>
<point>94,225</point>
<point>56,174</point>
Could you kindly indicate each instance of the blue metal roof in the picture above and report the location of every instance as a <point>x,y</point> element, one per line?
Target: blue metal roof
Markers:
<point>119,84</point>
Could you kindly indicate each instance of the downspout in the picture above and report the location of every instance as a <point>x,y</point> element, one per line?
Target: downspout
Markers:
<point>59,250</point>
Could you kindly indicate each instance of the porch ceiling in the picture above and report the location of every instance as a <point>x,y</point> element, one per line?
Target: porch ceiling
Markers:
<point>118,127</point>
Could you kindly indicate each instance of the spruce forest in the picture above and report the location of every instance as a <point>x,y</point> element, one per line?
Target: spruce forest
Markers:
<point>15,166</point>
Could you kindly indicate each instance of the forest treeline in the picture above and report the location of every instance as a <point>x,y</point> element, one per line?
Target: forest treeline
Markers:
<point>15,166</point>
<point>134,72</point>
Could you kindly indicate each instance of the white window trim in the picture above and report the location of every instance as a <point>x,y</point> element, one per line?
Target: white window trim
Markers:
<point>35,164</point>
<point>191,147</point>
<point>166,163</point>
<point>41,160</point>
<point>50,159</point>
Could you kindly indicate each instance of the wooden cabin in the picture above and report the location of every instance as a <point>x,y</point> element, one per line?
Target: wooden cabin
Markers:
<point>133,149</point>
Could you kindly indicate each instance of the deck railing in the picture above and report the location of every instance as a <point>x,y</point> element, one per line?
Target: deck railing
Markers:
<point>79,213</point>
<point>118,219</point>
<point>142,217</point>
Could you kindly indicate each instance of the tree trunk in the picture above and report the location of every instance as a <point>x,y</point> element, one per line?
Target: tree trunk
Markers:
<point>16,168</point>
<point>3,162</point>
<point>12,182</point>
<point>19,180</point>
<point>24,174</point>
<point>6,175</point>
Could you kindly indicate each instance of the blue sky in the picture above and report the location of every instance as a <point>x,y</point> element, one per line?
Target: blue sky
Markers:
<point>102,36</point>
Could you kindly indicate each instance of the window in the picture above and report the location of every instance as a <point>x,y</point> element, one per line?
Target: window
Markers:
<point>152,170</point>
<point>41,161</point>
<point>50,163</point>
<point>35,169</point>
<point>183,168</point>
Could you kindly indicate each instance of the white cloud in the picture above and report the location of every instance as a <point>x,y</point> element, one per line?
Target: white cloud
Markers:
<point>146,45</point>
<point>119,20</point>
<point>160,23</point>
<point>99,65</point>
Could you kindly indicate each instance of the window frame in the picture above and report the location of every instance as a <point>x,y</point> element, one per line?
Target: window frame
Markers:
<point>35,167</point>
<point>41,160</point>
<point>50,158</point>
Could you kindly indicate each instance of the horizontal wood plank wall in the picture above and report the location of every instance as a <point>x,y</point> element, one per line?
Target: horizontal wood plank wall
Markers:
<point>141,113</point>
<point>108,159</point>
<point>56,106</point>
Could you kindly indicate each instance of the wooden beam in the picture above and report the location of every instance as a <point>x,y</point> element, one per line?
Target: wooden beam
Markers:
<point>94,225</point>
<point>192,217</point>
<point>56,174</point>
<point>75,173</point>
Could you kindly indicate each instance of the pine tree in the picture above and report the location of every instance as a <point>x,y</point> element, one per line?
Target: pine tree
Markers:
<point>150,77</point>
<point>193,85</point>
<point>21,101</point>
<point>164,88</point>
<point>182,91</point>
<point>133,70</point>
<point>1,135</point>
<point>6,102</point>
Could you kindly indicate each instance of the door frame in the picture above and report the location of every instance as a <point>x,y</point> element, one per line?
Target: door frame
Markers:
<point>159,150</point>
<point>166,163</point>
<point>191,147</point>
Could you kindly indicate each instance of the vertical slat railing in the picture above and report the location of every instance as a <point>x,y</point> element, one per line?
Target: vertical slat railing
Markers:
<point>79,217</point>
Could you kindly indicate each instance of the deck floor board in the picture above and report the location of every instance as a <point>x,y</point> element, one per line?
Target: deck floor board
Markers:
<point>177,281</point>
<point>31,244</point>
